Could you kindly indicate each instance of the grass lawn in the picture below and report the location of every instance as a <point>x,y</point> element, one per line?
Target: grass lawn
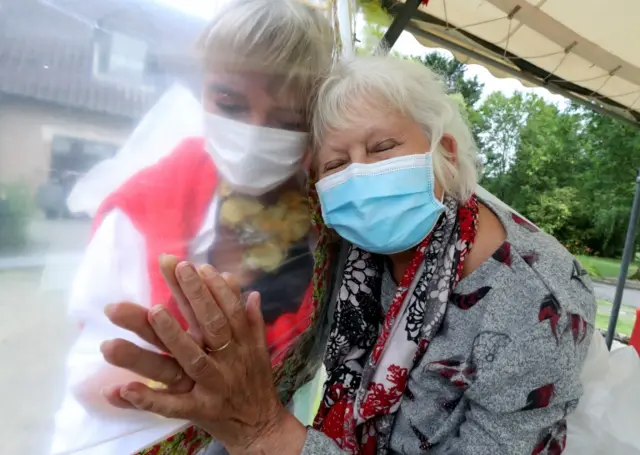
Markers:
<point>626,318</point>
<point>604,267</point>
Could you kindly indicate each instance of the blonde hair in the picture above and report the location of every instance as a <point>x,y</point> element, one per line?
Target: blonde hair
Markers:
<point>287,38</point>
<point>408,87</point>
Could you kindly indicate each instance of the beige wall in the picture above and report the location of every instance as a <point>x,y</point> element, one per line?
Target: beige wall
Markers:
<point>26,130</point>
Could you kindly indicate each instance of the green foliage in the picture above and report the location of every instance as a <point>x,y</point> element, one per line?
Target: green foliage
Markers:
<point>626,318</point>
<point>604,267</point>
<point>374,13</point>
<point>370,38</point>
<point>16,205</point>
<point>552,210</point>
<point>469,89</point>
<point>452,72</point>
<point>569,170</point>
<point>593,271</point>
<point>590,266</point>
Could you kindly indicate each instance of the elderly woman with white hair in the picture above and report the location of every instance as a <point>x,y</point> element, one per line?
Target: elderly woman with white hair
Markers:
<point>453,325</point>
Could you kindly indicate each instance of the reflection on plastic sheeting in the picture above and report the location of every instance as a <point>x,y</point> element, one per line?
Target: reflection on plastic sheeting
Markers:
<point>101,156</point>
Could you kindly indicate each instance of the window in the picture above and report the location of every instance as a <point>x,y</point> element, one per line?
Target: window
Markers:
<point>120,57</point>
<point>73,156</point>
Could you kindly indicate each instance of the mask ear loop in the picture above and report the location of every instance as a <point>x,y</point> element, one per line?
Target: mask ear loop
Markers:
<point>433,171</point>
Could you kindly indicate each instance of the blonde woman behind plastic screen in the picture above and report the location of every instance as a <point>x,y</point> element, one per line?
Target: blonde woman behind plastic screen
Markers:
<point>262,60</point>
<point>457,327</point>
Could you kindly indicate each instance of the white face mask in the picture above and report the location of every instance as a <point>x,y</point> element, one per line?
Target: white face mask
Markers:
<point>253,159</point>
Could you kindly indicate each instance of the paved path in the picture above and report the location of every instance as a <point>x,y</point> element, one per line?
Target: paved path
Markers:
<point>35,332</point>
<point>35,335</point>
<point>630,297</point>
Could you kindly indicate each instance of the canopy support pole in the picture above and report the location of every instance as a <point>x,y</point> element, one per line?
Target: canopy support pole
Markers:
<point>344,12</point>
<point>627,256</point>
<point>400,22</point>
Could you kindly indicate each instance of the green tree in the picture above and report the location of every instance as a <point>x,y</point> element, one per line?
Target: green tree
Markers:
<point>503,118</point>
<point>547,172</point>
<point>369,39</point>
<point>452,73</point>
<point>613,151</point>
<point>534,160</point>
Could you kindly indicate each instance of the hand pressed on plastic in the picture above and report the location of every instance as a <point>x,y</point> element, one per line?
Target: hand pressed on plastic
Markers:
<point>144,362</point>
<point>232,396</point>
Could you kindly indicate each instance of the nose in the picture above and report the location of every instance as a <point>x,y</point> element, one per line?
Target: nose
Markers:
<point>261,104</point>
<point>258,117</point>
<point>358,154</point>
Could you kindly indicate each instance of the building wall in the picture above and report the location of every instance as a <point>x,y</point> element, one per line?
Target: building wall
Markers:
<point>26,130</point>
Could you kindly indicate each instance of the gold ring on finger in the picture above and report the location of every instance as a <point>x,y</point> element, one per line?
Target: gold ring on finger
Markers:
<point>208,350</point>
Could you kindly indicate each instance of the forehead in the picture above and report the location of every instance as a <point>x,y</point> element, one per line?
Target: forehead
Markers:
<point>362,123</point>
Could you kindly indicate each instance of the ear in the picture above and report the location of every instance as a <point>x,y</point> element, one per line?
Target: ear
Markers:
<point>451,146</point>
<point>307,162</point>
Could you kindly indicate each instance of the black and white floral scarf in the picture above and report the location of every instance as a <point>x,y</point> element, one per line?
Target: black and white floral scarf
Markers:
<point>369,355</point>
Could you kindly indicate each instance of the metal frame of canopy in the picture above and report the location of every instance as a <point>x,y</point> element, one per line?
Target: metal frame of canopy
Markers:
<point>404,12</point>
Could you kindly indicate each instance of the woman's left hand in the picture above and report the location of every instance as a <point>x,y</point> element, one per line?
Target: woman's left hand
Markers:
<point>233,396</point>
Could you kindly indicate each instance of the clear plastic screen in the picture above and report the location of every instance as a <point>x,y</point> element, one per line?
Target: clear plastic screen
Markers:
<point>95,95</point>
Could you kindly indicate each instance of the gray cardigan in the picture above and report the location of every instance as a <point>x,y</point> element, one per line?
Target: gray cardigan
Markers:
<point>523,321</point>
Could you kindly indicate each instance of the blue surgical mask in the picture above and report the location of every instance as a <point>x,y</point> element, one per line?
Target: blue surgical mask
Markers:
<point>385,207</point>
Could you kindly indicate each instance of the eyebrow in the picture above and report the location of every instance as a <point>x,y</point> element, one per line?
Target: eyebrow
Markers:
<point>337,149</point>
<point>276,87</point>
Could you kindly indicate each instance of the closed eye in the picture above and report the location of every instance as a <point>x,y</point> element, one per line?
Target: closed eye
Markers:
<point>231,109</point>
<point>332,165</point>
<point>384,146</point>
<point>287,119</point>
<point>229,102</point>
<point>290,126</point>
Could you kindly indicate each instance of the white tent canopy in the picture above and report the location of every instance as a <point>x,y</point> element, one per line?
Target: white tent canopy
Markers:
<point>586,50</point>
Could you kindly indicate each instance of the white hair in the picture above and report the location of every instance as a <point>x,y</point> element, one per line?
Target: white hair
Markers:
<point>288,38</point>
<point>408,87</point>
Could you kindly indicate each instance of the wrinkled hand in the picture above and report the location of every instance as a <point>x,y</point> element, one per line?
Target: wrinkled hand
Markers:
<point>223,384</point>
<point>137,319</point>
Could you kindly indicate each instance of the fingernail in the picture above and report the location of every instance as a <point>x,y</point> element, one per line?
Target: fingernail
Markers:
<point>107,390</point>
<point>208,271</point>
<point>105,345</point>
<point>159,315</point>
<point>128,395</point>
<point>254,300</point>
<point>108,309</point>
<point>184,270</point>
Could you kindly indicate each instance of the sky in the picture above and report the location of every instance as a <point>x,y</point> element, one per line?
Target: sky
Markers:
<point>406,45</point>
